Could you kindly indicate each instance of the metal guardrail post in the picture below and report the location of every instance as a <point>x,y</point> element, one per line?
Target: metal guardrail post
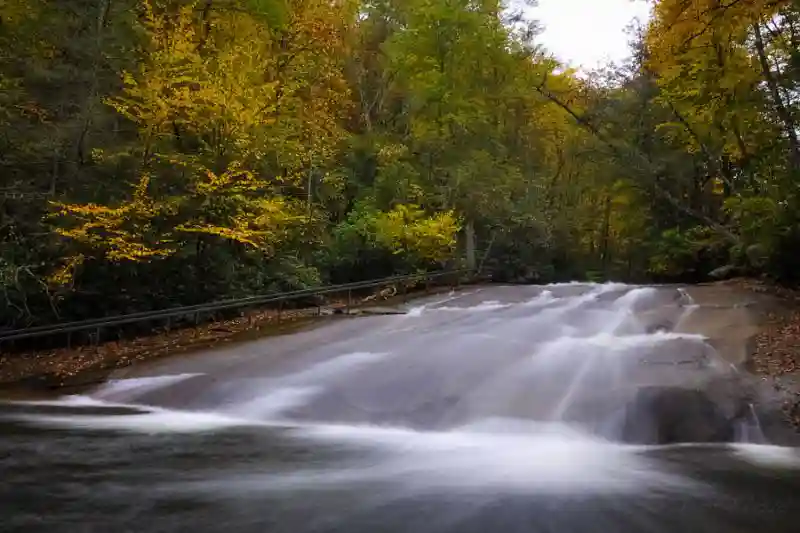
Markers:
<point>97,336</point>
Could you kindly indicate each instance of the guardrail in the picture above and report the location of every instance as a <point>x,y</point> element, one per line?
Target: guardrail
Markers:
<point>96,325</point>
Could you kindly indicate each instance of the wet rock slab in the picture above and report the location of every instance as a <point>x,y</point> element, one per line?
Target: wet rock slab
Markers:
<point>613,358</point>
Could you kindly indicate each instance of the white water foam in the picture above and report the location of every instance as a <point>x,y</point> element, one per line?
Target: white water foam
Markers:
<point>611,285</point>
<point>272,404</point>
<point>633,296</point>
<point>141,384</point>
<point>280,394</point>
<point>333,367</point>
<point>488,305</point>
<point>70,401</point>
<point>575,302</point>
<point>145,421</point>
<point>544,297</point>
<point>557,461</point>
<point>769,456</point>
<point>416,311</point>
<point>619,343</point>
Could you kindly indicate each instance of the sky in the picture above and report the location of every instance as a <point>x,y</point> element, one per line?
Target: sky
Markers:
<point>588,33</point>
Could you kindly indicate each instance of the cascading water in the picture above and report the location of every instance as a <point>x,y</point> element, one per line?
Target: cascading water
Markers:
<point>556,408</point>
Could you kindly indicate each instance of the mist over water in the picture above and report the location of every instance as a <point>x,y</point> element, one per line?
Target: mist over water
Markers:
<point>540,409</point>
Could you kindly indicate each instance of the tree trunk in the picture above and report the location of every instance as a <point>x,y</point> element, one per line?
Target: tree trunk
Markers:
<point>606,231</point>
<point>469,232</point>
<point>780,108</point>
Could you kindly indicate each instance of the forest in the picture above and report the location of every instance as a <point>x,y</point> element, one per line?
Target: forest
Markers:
<point>156,153</point>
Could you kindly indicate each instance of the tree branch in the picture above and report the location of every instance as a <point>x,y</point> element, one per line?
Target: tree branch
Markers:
<point>648,163</point>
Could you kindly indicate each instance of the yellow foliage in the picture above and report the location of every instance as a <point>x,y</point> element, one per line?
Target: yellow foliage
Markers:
<point>234,179</point>
<point>249,91</point>
<point>128,232</point>
<point>407,229</point>
<point>123,233</point>
<point>240,93</point>
<point>391,153</point>
<point>700,53</point>
<point>261,224</point>
<point>65,273</point>
<point>164,88</point>
<point>681,25</point>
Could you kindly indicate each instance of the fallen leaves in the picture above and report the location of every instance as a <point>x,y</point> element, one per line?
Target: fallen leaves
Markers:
<point>777,358</point>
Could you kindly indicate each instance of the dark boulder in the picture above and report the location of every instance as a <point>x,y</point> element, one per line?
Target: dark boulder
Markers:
<point>669,415</point>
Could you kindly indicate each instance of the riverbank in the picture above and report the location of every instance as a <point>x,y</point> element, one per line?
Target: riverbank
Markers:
<point>775,353</point>
<point>83,365</point>
<point>777,358</point>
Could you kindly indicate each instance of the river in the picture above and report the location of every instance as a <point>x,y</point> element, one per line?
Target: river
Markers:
<point>554,409</point>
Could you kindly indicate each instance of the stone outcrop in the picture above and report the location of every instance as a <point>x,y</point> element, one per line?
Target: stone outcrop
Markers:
<point>669,415</point>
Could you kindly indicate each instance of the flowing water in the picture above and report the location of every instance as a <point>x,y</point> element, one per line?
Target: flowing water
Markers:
<point>565,408</point>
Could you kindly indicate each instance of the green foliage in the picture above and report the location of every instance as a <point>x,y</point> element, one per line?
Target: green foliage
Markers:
<point>225,148</point>
<point>686,255</point>
<point>403,239</point>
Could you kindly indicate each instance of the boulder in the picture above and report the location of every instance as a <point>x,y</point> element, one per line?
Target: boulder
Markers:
<point>670,415</point>
<point>723,272</point>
